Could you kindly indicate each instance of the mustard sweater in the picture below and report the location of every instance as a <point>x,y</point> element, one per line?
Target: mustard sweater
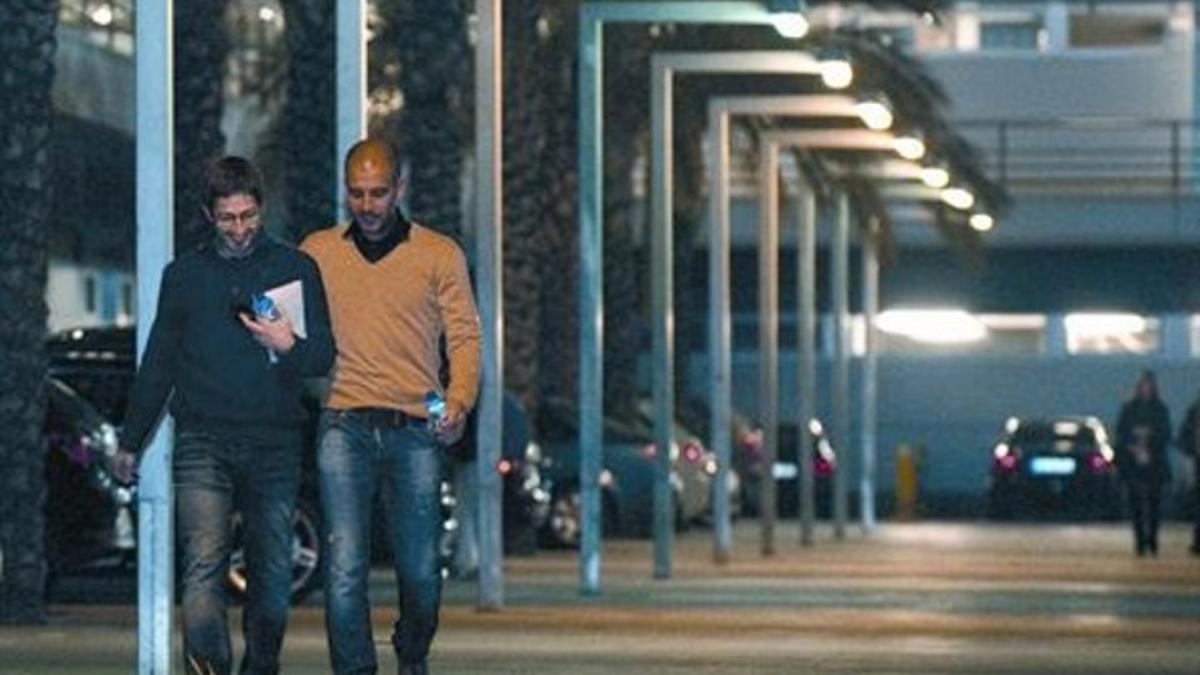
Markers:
<point>388,315</point>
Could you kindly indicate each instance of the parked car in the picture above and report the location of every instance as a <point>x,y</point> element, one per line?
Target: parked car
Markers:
<point>786,471</point>
<point>694,449</point>
<point>91,519</point>
<point>1060,466</point>
<point>626,478</point>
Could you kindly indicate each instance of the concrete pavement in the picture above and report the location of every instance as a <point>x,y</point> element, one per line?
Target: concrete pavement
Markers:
<point>910,598</point>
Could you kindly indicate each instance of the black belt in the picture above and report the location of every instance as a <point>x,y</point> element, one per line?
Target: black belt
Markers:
<point>386,417</point>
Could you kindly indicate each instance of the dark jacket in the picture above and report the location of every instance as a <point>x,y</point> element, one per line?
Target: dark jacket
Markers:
<point>1143,422</point>
<point>1189,432</point>
<point>218,377</point>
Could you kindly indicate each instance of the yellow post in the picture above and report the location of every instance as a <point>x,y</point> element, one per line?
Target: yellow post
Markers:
<point>906,483</point>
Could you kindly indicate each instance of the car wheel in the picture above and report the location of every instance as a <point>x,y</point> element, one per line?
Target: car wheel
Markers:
<point>564,526</point>
<point>306,554</point>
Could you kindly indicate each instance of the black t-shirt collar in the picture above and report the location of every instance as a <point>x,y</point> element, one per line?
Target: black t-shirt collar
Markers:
<point>374,251</point>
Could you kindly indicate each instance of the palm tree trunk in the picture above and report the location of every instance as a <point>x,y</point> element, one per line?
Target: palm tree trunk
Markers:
<point>435,74</point>
<point>308,127</point>
<point>199,104</point>
<point>27,46</point>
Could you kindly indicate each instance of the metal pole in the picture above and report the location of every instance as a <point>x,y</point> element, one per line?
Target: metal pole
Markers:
<point>155,242</point>
<point>870,384</point>
<point>806,279</point>
<point>840,267</point>
<point>489,271</point>
<point>351,51</point>
<point>661,281</point>
<point>768,335</point>
<point>720,362</point>
<point>591,294</point>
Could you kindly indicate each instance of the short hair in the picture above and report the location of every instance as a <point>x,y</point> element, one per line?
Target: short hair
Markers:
<point>389,148</point>
<point>231,175</point>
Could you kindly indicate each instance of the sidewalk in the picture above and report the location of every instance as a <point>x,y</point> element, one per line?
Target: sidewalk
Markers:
<point>912,598</point>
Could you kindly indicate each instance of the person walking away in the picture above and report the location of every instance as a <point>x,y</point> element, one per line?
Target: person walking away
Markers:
<point>1189,443</point>
<point>233,377</point>
<point>1143,430</point>
<point>395,290</point>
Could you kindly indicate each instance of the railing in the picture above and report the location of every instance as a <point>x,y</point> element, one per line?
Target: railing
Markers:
<point>1098,156</point>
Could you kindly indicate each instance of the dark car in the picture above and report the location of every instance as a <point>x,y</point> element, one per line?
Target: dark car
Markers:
<point>1058,467</point>
<point>91,373</point>
<point>786,471</point>
<point>626,477</point>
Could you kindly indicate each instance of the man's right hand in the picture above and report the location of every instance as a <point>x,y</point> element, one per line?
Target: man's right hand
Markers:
<point>123,466</point>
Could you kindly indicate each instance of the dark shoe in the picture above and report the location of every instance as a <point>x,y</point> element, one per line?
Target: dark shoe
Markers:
<point>418,668</point>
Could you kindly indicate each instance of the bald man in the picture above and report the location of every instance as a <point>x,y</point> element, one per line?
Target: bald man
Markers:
<point>395,290</point>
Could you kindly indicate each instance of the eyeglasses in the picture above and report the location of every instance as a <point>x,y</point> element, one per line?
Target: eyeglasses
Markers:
<point>247,217</point>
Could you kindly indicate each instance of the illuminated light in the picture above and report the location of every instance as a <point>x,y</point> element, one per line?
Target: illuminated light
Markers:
<point>691,452</point>
<point>909,147</point>
<point>874,114</point>
<point>982,222</point>
<point>649,451</point>
<point>710,467</point>
<point>935,177</point>
<point>1007,462</point>
<point>958,198</point>
<point>1001,450</point>
<point>1100,325</point>
<point>266,14</point>
<point>932,326</point>
<point>836,73</point>
<point>1012,424</point>
<point>1066,428</point>
<point>102,15</point>
<point>504,467</point>
<point>815,428</point>
<point>791,25</point>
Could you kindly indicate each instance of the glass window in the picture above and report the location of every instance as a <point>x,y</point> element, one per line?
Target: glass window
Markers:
<point>1102,333</point>
<point>1010,35</point>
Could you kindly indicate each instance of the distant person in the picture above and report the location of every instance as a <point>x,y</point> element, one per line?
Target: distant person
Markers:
<point>1189,444</point>
<point>1143,431</point>
<point>396,289</point>
<point>233,378</point>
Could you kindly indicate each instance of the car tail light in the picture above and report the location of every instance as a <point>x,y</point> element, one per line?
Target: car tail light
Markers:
<point>1006,463</point>
<point>1098,463</point>
<point>822,466</point>
<point>505,467</point>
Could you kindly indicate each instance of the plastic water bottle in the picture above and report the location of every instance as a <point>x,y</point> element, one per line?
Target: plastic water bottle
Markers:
<point>265,309</point>
<point>435,407</point>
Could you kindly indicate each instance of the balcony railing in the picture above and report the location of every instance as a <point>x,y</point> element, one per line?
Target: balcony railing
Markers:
<point>1098,156</point>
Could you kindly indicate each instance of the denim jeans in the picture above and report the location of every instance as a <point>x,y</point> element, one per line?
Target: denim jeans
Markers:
<point>357,463</point>
<point>213,476</point>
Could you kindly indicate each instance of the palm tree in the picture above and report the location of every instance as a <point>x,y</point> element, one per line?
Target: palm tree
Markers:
<point>27,46</point>
<point>307,128</point>
<point>434,122</point>
<point>199,102</point>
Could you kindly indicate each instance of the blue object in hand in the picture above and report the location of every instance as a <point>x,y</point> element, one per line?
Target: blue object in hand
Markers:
<point>264,307</point>
<point>435,407</point>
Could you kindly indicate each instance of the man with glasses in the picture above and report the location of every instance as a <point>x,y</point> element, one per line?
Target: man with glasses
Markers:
<point>233,377</point>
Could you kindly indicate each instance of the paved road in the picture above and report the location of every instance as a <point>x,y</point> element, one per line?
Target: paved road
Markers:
<point>911,598</point>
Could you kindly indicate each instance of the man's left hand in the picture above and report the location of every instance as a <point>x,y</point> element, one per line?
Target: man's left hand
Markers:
<point>275,335</point>
<point>452,424</point>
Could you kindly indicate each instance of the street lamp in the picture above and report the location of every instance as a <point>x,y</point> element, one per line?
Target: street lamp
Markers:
<point>982,222</point>
<point>788,18</point>
<point>958,198</point>
<point>836,70</point>
<point>875,113</point>
<point>910,146</point>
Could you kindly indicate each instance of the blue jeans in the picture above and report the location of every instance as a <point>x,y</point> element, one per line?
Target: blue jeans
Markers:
<point>357,462</point>
<point>213,476</point>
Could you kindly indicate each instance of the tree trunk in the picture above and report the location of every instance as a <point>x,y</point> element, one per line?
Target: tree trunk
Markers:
<point>308,124</point>
<point>199,103</point>
<point>435,77</point>
<point>27,46</point>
